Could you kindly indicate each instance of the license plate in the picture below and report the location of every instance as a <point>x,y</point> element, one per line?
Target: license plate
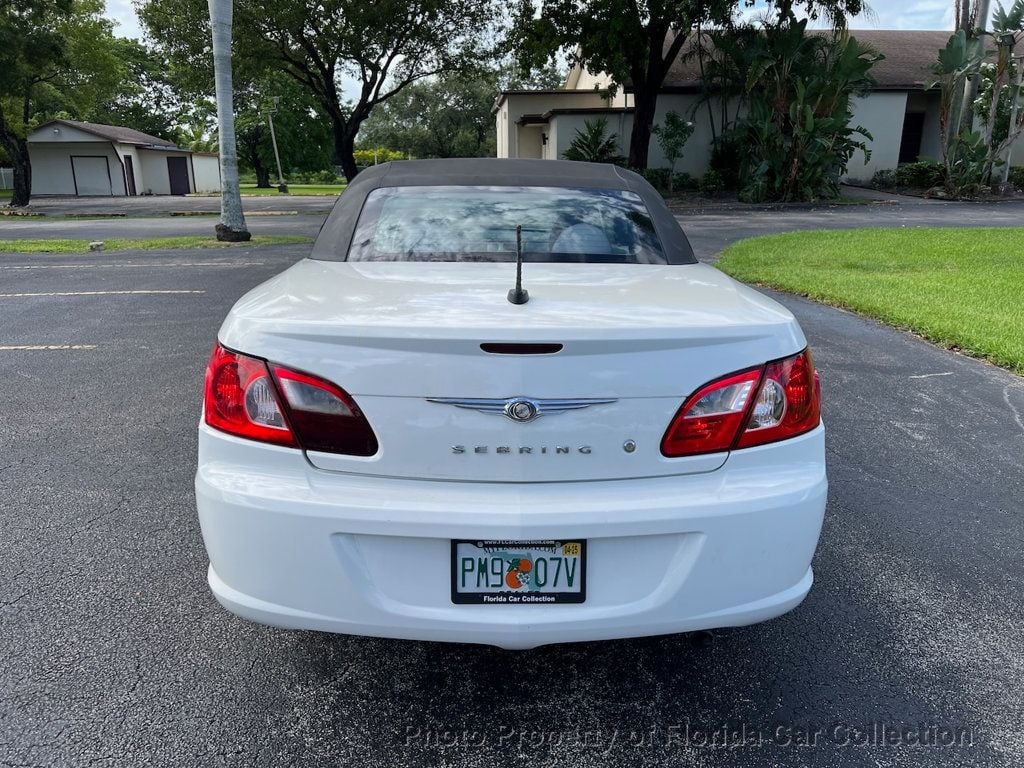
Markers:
<point>519,572</point>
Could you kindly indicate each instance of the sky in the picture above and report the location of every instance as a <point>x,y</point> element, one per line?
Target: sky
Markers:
<point>888,14</point>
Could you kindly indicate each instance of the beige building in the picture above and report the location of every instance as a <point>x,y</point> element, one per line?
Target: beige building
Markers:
<point>87,159</point>
<point>900,114</point>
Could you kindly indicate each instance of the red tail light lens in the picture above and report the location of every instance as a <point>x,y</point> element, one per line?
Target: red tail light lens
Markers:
<point>241,399</point>
<point>286,407</point>
<point>709,420</point>
<point>324,416</point>
<point>762,405</point>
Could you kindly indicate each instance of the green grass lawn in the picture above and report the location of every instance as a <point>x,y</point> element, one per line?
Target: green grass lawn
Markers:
<point>296,189</point>
<point>961,288</point>
<point>6,194</point>
<point>146,244</point>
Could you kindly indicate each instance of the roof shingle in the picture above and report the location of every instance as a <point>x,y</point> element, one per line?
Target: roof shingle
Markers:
<point>908,55</point>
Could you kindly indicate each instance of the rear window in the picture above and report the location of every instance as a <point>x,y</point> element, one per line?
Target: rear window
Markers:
<point>478,223</point>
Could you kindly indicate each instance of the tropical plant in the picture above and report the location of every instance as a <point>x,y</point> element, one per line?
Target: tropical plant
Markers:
<point>672,135</point>
<point>971,155</point>
<point>593,144</point>
<point>232,225</point>
<point>637,42</point>
<point>956,61</point>
<point>711,183</point>
<point>798,134</point>
<point>983,104</point>
<point>1007,30</point>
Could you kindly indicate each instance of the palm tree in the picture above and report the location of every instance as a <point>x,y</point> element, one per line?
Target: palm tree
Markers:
<point>232,227</point>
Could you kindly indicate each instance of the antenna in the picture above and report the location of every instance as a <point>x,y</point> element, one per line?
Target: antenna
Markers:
<point>518,295</point>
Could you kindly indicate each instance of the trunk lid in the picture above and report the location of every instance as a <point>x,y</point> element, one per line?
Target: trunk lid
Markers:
<point>399,336</point>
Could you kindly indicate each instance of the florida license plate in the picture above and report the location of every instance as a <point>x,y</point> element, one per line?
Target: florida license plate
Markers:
<point>519,572</point>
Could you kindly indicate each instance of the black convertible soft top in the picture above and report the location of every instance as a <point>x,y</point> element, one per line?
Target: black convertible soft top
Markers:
<point>332,244</point>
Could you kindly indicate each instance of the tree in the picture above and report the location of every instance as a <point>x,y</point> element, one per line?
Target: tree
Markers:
<point>383,46</point>
<point>232,227</point>
<point>963,150</point>
<point>593,144</point>
<point>145,98</point>
<point>447,116</point>
<point>386,46</point>
<point>636,41</point>
<point>303,132</point>
<point>1007,29</point>
<point>32,51</point>
<point>672,136</point>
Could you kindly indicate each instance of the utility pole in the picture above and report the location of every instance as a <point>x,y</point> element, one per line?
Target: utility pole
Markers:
<point>281,186</point>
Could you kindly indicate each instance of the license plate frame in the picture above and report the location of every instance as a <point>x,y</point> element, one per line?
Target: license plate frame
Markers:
<point>522,596</point>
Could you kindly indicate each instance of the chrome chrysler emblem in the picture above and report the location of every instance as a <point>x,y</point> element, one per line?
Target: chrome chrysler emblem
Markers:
<point>520,409</point>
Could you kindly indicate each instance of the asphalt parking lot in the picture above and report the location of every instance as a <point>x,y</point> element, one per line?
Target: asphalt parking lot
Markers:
<point>114,653</point>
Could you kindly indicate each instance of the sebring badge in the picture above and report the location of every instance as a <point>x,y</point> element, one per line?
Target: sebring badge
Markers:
<point>520,409</point>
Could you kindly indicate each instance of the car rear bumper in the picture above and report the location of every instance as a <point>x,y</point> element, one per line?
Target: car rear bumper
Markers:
<point>293,546</point>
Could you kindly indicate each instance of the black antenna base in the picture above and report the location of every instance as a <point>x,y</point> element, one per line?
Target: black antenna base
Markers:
<point>518,295</point>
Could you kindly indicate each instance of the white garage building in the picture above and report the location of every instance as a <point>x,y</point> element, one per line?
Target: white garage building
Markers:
<point>74,158</point>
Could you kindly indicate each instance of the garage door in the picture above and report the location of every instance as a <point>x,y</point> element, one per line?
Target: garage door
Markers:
<point>92,175</point>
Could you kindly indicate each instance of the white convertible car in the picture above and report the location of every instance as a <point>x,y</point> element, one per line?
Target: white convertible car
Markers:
<point>502,403</point>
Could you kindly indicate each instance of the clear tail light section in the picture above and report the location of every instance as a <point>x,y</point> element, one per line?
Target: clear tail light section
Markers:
<point>273,404</point>
<point>763,405</point>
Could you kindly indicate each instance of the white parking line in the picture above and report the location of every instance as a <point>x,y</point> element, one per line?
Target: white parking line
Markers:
<point>92,293</point>
<point>37,347</point>
<point>135,264</point>
<point>931,375</point>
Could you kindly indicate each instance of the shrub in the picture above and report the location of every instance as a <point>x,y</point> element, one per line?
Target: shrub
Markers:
<point>923,174</point>
<point>658,177</point>
<point>594,144</point>
<point>327,177</point>
<point>884,179</point>
<point>1017,177</point>
<point>711,184</point>
<point>684,181</point>
<point>369,156</point>
<point>726,158</point>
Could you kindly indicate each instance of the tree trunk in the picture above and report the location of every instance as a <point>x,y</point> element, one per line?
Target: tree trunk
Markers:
<point>262,174</point>
<point>646,104</point>
<point>232,227</point>
<point>17,151</point>
<point>344,147</point>
<point>973,84</point>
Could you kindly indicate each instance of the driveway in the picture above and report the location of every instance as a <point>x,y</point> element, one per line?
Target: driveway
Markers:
<point>710,229</point>
<point>116,654</point>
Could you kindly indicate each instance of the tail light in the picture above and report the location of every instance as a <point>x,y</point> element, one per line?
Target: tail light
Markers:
<point>274,404</point>
<point>762,405</point>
